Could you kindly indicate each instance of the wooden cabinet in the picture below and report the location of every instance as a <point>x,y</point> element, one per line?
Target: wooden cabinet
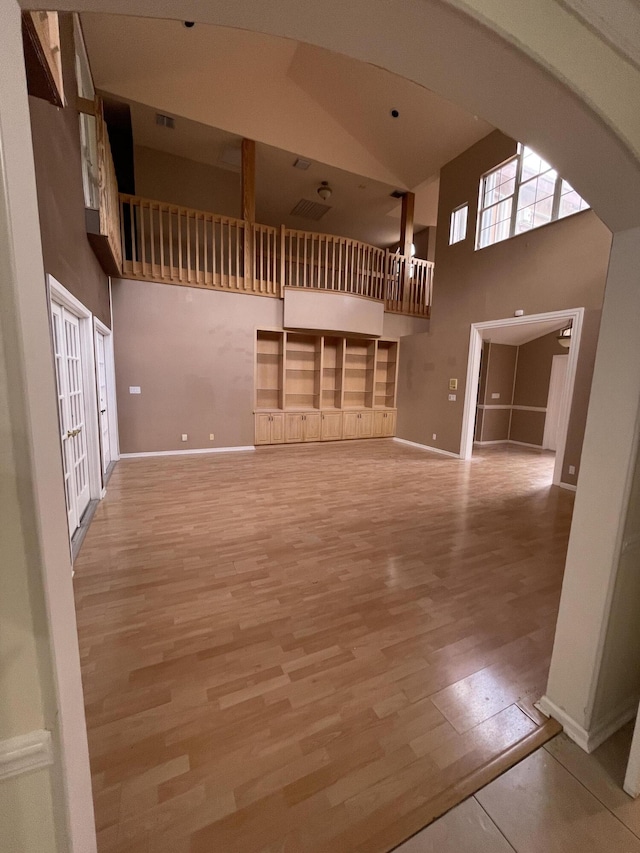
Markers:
<point>331,426</point>
<point>324,387</point>
<point>384,424</point>
<point>302,426</point>
<point>269,428</point>
<point>358,424</point>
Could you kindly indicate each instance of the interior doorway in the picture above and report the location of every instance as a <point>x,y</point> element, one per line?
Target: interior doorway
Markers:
<point>509,398</point>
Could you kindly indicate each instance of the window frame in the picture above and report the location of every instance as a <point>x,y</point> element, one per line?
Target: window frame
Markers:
<point>452,216</point>
<point>518,157</point>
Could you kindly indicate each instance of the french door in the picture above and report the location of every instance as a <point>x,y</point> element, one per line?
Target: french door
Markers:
<point>103,401</point>
<point>71,411</point>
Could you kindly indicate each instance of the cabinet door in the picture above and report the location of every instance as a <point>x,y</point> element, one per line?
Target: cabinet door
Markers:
<point>379,424</point>
<point>312,427</point>
<point>331,426</point>
<point>277,429</point>
<point>263,429</point>
<point>390,423</point>
<point>350,423</point>
<point>365,426</point>
<point>293,427</point>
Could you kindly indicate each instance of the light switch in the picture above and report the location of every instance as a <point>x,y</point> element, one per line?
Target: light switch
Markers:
<point>495,395</point>
<point>452,398</point>
<point>184,436</point>
<point>134,389</point>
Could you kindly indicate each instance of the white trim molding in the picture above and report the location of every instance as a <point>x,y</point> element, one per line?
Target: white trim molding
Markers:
<point>24,753</point>
<point>567,486</point>
<point>480,330</point>
<point>427,447</point>
<point>187,452</point>
<point>589,740</point>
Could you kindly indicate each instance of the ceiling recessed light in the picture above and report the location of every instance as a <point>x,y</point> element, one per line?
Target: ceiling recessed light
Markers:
<point>188,24</point>
<point>394,113</point>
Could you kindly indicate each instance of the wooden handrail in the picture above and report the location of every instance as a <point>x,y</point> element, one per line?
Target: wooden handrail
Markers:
<point>108,190</point>
<point>180,245</point>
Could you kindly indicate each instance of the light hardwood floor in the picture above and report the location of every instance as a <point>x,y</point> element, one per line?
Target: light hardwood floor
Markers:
<point>558,800</point>
<point>313,648</point>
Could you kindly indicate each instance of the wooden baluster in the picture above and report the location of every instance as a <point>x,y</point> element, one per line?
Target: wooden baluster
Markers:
<point>152,239</point>
<point>197,256</point>
<point>143,245</point>
<point>161,226</point>
<point>179,215</point>
<point>228,263</point>
<point>334,283</point>
<point>205,246</point>
<point>188,246</point>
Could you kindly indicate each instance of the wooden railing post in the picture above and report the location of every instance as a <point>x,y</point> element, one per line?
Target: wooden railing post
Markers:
<point>283,260</point>
<point>249,211</point>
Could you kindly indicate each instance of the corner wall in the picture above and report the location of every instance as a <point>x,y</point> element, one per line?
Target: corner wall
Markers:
<point>561,265</point>
<point>67,254</point>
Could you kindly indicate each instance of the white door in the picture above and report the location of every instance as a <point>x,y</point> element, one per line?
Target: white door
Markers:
<point>103,401</point>
<point>71,412</point>
<point>555,401</point>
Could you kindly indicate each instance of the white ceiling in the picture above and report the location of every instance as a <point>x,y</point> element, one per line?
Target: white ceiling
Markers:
<point>521,332</point>
<point>294,100</point>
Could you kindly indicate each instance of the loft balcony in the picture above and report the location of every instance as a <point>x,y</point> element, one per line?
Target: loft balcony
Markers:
<point>172,244</point>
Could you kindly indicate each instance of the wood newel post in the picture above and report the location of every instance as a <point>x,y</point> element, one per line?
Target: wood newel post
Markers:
<point>248,213</point>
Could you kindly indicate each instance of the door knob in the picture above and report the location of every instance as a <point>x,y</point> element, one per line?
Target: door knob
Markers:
<point>102,411</point>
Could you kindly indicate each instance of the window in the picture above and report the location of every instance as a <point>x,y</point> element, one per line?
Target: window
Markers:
<point>88,130</point>
<point>458,227</point>
<point>523,193</point>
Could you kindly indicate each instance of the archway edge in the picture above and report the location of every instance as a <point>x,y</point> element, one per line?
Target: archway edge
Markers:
<point>533,70</point>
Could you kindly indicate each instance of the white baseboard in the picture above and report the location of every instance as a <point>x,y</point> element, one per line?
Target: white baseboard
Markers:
<point>567,486</point>
<point>427,447</point>
<point>589,740</point>
<point>509,441</point>
<point>526,444</point>
<point>497,441</point>
<point>24,753</point>
<point>187,452</point>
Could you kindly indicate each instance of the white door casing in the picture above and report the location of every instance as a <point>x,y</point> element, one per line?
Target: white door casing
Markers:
<point>555,401</point>
<point>103,400</point>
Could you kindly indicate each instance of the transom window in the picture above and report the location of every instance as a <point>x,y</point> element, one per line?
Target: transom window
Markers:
<point>524,192</point>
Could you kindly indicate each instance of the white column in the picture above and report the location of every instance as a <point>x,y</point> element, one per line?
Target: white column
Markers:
<point>42,537</point>
<point>594,680</point>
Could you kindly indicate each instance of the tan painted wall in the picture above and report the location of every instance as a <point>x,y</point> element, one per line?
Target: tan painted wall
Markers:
<point>191,351</point>
<point>532,387</point>
<point>562,265</point>
<point>496,377</point>
<point>56,147</point>
<point>166,177</point>
<point>534,370</point>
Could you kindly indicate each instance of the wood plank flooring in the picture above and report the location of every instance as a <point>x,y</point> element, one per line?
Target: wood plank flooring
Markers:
<point>312,648</point>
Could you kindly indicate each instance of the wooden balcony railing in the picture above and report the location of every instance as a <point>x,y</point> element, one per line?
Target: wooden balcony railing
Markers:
<point>178,245</point>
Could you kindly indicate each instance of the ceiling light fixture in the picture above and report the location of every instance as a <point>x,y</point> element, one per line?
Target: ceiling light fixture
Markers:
<point>188,24</point>
<point>324,190</point>
<point>564,337</point>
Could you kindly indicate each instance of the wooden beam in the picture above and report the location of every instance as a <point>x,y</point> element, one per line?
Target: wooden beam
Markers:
<point>248,180</point>
<point>406,240</point>
<point>406,224</point>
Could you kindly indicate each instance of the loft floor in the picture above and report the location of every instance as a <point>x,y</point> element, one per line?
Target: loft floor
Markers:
<point>313,648</point>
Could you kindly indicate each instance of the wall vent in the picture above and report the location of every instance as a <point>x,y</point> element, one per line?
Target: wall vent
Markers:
<point>310,209</point>
<point>165,121</point>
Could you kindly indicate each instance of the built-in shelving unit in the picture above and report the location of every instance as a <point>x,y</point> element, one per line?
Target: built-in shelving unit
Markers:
<point>323,387</point>
<point>269,362</point>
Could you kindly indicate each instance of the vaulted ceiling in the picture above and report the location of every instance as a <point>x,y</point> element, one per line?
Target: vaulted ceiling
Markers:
<point>294,98</point>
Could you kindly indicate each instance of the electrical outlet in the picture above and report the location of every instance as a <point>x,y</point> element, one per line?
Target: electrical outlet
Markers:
<point>184,436</point>
<point>572,469</point>
<point>211,436</point>
<point>495,395</point>
<point>434,436</point>
<point>134,389</point>
<point>452,398</point>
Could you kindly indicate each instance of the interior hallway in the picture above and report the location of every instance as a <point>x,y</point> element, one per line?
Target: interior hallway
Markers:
<point>313,647</point>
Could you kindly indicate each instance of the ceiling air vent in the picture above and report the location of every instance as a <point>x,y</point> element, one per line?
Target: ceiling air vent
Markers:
<point>310,209</point>
<point>165,121</point>
<point>301,163</point>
